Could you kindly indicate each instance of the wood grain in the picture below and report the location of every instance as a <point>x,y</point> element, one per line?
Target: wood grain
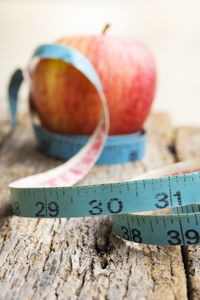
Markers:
<point>81,258</point>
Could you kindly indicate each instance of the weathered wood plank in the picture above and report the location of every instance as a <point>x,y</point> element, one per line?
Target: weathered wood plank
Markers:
<point>187,144</point>
<point>81,258</point>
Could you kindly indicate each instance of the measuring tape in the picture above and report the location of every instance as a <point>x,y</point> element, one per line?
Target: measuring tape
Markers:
<point>117,149</point>
<point>51,195</point>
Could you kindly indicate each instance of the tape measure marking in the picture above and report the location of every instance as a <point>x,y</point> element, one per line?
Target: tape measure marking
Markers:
<point>177,229</point>
<point>123,197</point>
<point>181,228</point>
<point>48,195</point>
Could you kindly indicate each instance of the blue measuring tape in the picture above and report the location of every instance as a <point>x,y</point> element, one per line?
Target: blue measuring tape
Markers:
<point>117,149</point>
<point>46,195</point>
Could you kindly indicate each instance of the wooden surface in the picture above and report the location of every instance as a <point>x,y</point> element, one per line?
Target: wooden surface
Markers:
<point>81,258</point>
<point>187,145</point>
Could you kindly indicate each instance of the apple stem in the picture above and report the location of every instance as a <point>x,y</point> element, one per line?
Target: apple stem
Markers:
<point>106,27</point>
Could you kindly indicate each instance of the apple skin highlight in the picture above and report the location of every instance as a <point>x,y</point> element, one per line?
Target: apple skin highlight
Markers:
<point>68,103</point>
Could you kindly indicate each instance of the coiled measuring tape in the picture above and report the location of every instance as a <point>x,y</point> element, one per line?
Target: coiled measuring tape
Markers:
<point>51,195</point>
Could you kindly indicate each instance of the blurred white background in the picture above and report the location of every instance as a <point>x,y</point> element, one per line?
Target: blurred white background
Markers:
<point>170,28</point>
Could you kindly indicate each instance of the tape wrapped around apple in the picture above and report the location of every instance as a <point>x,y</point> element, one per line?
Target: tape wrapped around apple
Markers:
<point>68,103</point>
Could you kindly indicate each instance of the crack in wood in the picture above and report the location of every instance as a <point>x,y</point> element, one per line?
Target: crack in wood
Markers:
<point>185,263</point>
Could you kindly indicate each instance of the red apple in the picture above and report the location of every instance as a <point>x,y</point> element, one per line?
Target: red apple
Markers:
<point>68,103</point>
